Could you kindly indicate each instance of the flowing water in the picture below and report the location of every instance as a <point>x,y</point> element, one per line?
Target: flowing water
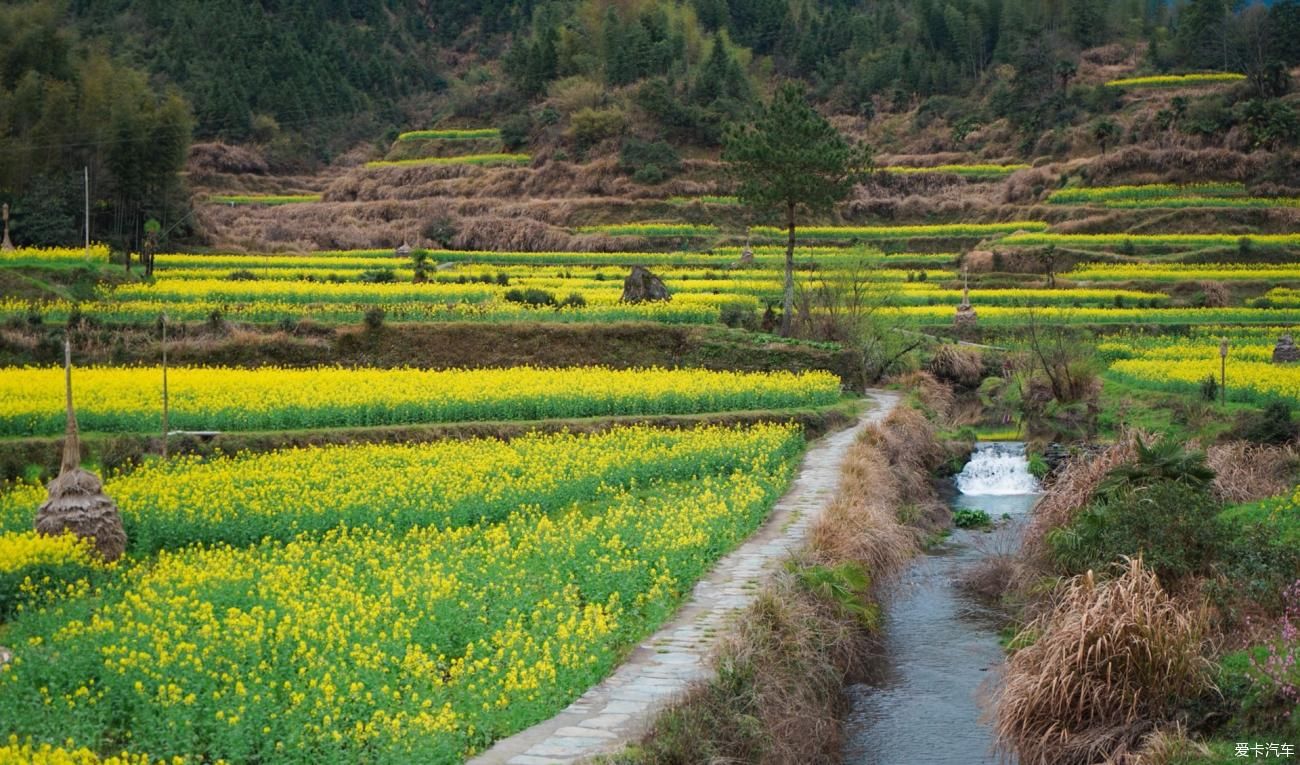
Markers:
<point>940,653</point>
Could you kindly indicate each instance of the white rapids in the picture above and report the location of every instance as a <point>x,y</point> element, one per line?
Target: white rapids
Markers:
<point>997,469</point>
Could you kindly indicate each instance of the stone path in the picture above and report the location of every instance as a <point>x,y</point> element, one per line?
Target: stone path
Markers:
<point>616,711</point>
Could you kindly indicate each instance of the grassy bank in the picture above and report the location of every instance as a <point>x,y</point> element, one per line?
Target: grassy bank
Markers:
<point>775,696</point>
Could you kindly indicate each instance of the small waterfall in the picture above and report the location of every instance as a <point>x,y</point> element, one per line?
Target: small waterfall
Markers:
<point>997,469</point>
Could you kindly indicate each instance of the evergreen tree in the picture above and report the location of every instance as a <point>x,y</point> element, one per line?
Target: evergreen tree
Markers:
<point>790,160</point>
<point>1202,34</point>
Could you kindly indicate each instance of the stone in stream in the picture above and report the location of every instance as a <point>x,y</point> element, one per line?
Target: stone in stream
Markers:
<point>1285,351</point>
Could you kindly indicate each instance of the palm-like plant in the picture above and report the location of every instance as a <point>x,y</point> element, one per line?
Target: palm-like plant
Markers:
<point>1165,460</point>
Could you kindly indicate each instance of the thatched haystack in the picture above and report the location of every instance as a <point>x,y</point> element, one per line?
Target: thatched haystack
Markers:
<point>76,501</point>
<point>641,286</point>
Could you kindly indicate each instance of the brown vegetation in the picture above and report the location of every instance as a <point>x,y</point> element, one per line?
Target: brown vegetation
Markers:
<point>1245,472</point>
<point>959,365</point>
<point>1112,661</point>
<point>777,695</point>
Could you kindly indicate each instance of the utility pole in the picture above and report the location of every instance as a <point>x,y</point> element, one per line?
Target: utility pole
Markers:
<point>86,177</point>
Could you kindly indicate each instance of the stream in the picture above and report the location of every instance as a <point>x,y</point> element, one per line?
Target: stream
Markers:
<point>940,655</point>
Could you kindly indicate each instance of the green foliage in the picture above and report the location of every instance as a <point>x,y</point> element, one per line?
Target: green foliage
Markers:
<point>1166,461</point>
<point>846,586</point>
<point>1173,525</point>
<point>1160,506</point>
<point>374,318</point>
<point>66,106</point>
<point>1272,425</point>
<point>792,158</point>
<point>531,297</point>
<point>1209,388</point>
<point>649,161</point>
<point>968,518</point>
<point>378,276</point>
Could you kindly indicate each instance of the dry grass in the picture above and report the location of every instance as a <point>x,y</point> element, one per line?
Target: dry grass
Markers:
<point>1108,664</point>
<point>959,365</point>
<point>935,398</point>
<point>777,697</point>
<point>1245,472</point>
<point>1216,295</point>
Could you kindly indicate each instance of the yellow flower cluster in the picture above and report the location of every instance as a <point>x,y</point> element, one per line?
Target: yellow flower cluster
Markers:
<point>35,568</point>
<point>24,752</point>
<point>1252,378</point>
<point>126,399</point>
<point>370,645</point>
<point>1165,272</point>
<point>1177,80</point>
<point>250,497</point>
<point>20,550</point>
<point>98,254</point>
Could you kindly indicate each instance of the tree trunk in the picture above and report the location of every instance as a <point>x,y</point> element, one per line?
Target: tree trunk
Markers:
<point>787,306</point>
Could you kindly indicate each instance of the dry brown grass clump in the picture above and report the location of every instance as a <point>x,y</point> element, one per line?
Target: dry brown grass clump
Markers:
<point>957,364</point>
<point>861,523</point>
<point>1216,294</point>
<point>1245,472</point>
<point>777,697</point>
<point>223,158</point>
<point>1112,661</point>
<point>936,398</point>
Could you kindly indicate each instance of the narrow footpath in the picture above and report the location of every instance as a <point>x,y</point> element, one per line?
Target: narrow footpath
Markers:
<point>616,711</point>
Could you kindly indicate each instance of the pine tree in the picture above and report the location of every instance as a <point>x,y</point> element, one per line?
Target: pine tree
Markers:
<point>792,159</point>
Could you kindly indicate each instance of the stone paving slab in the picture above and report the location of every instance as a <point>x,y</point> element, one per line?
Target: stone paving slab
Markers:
<point>617,711</point>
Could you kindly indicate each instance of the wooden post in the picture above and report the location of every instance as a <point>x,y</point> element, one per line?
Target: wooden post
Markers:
<point>1223,372</point>
<point>6,244</point>
<point>165,427</point>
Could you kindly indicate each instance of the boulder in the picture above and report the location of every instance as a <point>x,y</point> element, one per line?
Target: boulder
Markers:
<point>641,286</point>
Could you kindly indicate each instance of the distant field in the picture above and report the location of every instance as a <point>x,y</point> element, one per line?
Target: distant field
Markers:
<point>967,171</point>
<point>98,253</point>
<point>262,199</point>
<point>1229,195</point>
<point>936,231</point>
<point>450,135</point>
<point>486,160</point>
<point>1154,240</point>
<point>1177,80</point>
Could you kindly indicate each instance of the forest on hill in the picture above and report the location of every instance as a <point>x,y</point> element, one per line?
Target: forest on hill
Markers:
<point>124,87</point>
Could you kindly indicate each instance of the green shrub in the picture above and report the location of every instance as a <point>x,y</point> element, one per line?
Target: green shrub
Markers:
<point>1209,388</point>
<point>533,297</point>
<point>574,300</point>
<point>242,275</point>
<point>652,159</point>
<point>374,318</point>
<point>739,316</point>
<point>1174,526</point>
<point>1273,425</point>
<point>515,131</point>
<point>969,518</point>
<point>378,276</point>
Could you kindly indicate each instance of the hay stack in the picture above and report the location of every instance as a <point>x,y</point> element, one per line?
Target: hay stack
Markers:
<point>77,502</point>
